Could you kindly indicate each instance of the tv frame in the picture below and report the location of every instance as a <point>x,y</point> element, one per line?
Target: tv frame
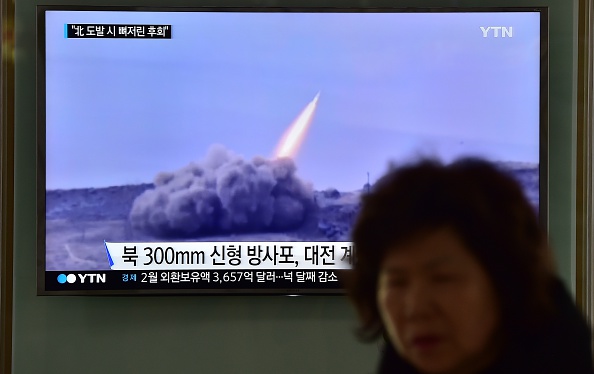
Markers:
<point>366,8</point>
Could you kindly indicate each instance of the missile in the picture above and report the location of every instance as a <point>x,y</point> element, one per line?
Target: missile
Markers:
<point>294,135</point>
<point>317,97</point>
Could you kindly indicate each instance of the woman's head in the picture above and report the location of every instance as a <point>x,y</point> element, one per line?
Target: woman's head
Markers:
<point>450,261</point>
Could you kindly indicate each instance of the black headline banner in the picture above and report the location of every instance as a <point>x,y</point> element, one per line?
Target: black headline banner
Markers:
<point>187,280</point>
<point>99,31</point>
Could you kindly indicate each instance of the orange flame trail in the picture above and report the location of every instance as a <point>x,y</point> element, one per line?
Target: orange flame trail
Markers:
<point>295,134</point>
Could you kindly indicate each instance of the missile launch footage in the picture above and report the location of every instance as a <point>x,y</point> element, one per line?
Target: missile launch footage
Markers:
<point>268,127</point>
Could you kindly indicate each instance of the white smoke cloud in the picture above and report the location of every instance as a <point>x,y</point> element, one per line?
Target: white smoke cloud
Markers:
<point>224,194</point>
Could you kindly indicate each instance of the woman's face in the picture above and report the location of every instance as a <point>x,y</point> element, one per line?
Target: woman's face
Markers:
<point>438,305</point>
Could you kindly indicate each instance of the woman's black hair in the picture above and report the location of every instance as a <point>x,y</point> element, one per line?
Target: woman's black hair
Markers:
<point>486,207</point>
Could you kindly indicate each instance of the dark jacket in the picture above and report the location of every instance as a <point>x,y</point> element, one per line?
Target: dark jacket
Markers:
<point>561,347</point>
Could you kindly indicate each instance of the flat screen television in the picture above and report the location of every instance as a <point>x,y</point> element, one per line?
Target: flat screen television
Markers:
<point>225,150</point>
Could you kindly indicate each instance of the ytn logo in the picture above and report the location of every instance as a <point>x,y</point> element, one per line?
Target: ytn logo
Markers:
<point>83,278</point>
<point>497,32</point>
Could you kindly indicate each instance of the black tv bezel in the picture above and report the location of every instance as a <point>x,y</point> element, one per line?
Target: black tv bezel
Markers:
<point>364,7</point>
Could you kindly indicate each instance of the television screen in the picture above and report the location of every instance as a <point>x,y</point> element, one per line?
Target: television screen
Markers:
<point>225,150</point>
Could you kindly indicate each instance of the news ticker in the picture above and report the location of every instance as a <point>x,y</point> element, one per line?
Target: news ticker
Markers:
<point>230,256</point>
<point>120,31</point>
<point>265,279</point>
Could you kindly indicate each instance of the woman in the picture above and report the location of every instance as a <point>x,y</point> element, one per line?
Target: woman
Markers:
<point>453,268</point>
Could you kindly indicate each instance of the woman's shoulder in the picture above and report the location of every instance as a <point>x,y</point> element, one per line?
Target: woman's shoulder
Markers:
<point>562,345</point>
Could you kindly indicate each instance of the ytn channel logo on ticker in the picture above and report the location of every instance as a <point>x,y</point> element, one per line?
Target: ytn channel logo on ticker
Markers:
<point>81,278</point>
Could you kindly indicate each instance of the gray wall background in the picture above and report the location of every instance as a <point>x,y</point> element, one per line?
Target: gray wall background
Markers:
<point>90,335</point>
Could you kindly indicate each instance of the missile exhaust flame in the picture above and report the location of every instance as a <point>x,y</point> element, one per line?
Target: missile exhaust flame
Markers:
<point>293,137</point>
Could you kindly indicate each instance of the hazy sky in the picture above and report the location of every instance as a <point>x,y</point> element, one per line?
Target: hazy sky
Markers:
<point>121,110</point>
